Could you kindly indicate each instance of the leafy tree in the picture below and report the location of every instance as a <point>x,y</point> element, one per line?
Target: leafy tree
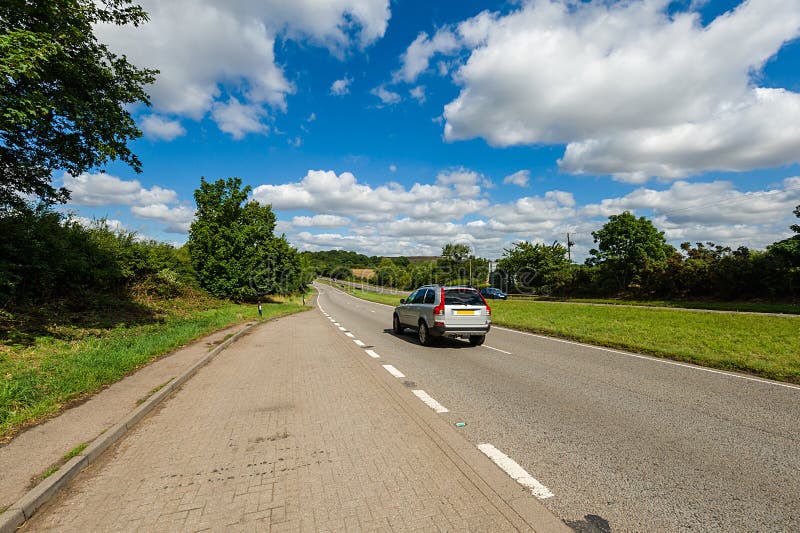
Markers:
<point>456,253</point>
<point>232,246</point>
<point>532,266</point>
<point>627,248</point>
<point>63,94</point>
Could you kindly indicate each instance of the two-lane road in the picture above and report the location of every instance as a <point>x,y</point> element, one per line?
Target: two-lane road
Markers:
<point>635,442</point>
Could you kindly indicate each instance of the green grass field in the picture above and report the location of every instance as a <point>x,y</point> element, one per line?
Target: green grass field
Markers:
<point>763,345</point>
<point>59,365</point>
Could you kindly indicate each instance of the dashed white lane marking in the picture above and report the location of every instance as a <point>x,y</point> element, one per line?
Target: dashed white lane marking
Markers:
<point>336,324</point>
<point>349,334</point>
<point>343,329</point>
<point>518,473</point>
<point>359,343</point>
<point>629,354</point>
<point>372,354</point>
<point>430,402</point>
<point>393,371</point>
<point>497,349</point>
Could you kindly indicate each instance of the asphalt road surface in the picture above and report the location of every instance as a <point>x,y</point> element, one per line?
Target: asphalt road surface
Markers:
<point>621,441</point>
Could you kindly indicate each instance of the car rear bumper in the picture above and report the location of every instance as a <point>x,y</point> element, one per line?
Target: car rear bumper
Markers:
<point>466,331</point>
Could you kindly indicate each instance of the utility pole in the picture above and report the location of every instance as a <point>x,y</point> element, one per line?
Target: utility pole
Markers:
<point>570,244</point>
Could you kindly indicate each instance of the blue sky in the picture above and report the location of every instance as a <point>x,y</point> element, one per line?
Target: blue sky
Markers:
<point>393,128</point>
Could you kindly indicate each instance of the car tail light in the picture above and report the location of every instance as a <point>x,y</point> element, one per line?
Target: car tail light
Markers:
<point>438,311</point>
<point>488,309</point>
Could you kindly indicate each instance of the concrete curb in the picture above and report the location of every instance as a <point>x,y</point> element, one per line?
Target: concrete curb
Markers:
<point>25,507</point>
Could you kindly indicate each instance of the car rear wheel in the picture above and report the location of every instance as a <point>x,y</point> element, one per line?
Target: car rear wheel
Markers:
<point>476,340</point>
<point>425,338</point>
<point>396,326</point>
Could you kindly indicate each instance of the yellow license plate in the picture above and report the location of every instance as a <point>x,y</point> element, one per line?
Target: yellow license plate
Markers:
<point>465,312</point>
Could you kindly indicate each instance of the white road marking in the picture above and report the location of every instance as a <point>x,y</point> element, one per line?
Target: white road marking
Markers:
<point>372,354</point>
<point>515,471</point>
<point>629,354</point>
<point>337,324</point>
<point>343,329</point>
<point>497,349</point>
<point>655,359</point>
<point>393,371</point>
<point>359,343</point>
<point>349,334</point>
<point>430,402</point>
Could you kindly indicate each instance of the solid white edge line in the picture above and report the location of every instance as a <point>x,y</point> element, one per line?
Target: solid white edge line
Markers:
<point>372,354</point>
<point>629,354</point>
<point>358,342</point>
<point>393,371</point>
<point>655,359</point>
<point>430,402</point>
<point>497,349</point>
<point>516,472</point>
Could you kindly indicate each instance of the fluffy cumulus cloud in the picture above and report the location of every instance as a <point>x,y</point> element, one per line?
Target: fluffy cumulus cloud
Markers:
<point>455,194</point>
<point>155,203</point>
<point>104,189</point>
<point>521,178</point>
<point>634,89</point>
<point>321,221</point>
<point>203,48</point>
<point>386,96</point>
<point>341,87</point>
<point>176,219</point>
<point>158,127</point>
<point>456,207</point>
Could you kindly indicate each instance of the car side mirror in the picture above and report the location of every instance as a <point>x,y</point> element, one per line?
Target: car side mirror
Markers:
<point>402,300</point>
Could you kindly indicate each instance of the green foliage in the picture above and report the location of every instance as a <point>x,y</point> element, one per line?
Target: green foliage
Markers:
<point>63,94</point>
<point>337,263</point>
<point>535,267</point>
<point>627,249</point>
<point>232,246</point>
<point>46,257</point>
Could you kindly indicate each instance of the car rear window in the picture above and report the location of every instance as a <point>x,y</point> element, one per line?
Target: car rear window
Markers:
<point>462,297</point>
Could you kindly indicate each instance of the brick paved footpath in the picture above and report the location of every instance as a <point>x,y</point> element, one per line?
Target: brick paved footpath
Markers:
<point>293,428</point>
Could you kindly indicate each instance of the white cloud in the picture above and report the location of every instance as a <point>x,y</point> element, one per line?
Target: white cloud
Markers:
<point>158,127</point>
<point>418,94</point>
<point>417,56</point>
<point>239,119</point>
<point>392,168</point>
<point>177,219</point>
<point>632,90</point>
<point>387,97</point>
<point>112,224</point>
<point>104,189</point>
<point>203,47</point>
<point>321,221</point>
<point>341,87</point>
<point>455,194</point>
<point>521,178</point>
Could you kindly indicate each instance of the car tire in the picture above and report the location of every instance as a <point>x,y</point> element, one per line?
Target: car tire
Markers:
<point>424,334</point>
<point>396,326</point>
<point>476,340</point>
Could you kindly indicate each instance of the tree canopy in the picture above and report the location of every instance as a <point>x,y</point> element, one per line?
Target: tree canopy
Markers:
<point>626,247</point>
<point>232,246</point>
<point>530,266</point>
<point>63,94</point>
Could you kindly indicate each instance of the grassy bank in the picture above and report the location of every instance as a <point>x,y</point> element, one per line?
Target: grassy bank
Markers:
<point>764,345</point>
<point>46,367</point>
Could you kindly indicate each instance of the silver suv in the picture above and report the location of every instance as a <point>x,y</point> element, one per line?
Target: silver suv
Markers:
<point>437,311</point>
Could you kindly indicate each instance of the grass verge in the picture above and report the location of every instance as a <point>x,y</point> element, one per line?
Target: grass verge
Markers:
<point>56,369</point>
<point>763,345</point>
